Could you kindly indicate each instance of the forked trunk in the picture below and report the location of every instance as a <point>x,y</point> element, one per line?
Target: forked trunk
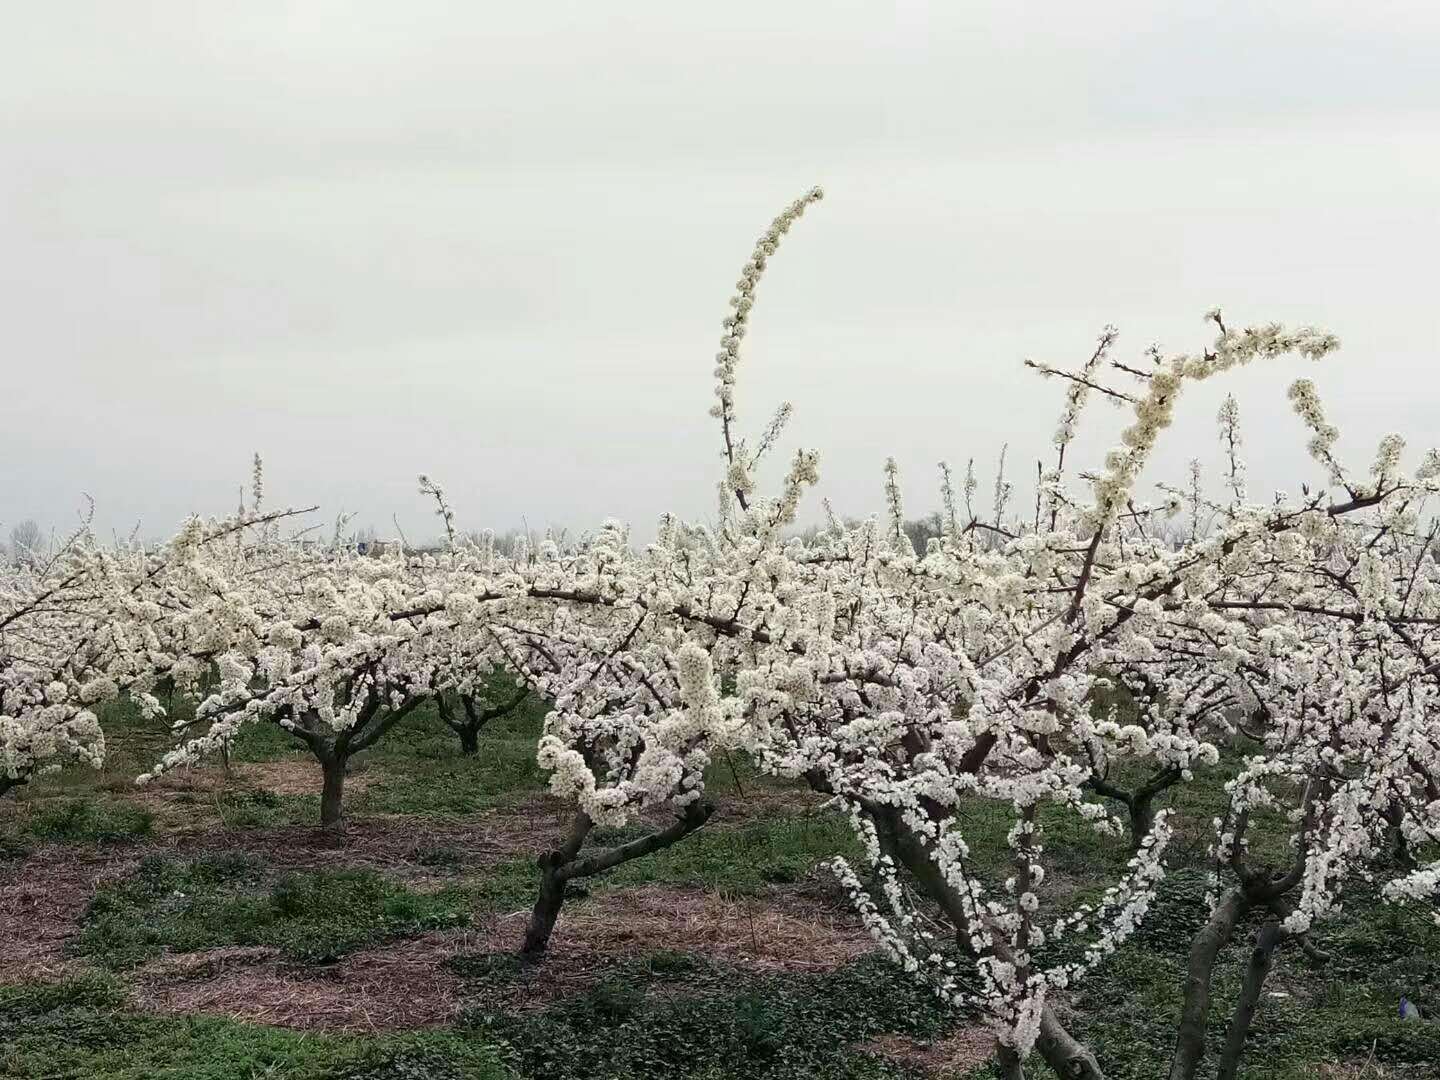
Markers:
<point>1261,957</point>
<point>1195,1012</point>
<point>565,864</point>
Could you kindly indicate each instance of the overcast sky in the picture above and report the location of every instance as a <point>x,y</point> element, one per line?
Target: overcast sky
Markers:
<point>494,242</point>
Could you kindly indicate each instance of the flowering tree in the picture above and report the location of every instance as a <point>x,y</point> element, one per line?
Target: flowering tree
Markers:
<point>26,542</point>
<point>43,723</point>
<point>1337,678</point>
<point>336,649</point>
<point>315,641</point>
<point>910,684</point>
<point>1030,663</point>
<point>88,623</point>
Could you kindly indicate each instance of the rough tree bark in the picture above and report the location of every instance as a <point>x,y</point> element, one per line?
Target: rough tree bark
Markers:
<point>1195,1012</point>
<point>1258,967</point>
<point>563,864</point>
<point>552,887</point>
<point>332,793</point>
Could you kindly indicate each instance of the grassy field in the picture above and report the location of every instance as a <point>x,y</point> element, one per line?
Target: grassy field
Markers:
<point>202,927</point>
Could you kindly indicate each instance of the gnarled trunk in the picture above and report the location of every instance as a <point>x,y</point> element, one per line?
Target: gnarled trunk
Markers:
<point>563,865</point>
<point>1261,957</point>
<point>1195,1012</point>
<point>1066,1055</point>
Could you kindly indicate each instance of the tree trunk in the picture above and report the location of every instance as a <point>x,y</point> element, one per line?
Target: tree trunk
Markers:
<point>469,741</point>
<point>1068,1056</point>
<point>332,794</point>
<point>1195,1013</point>
<point>559,867</point>
<point>553,877</point>
<point>1261,957</point>
<point>1010,1065</point>
<point>1142,819</point>
<point>546,911</point>
<point>1140,803</point>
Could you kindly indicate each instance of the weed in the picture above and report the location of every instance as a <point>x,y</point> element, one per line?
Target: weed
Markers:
<point>772,1027</point>
<point>79,1030</point>
<point>86,821</point>
<point>312,916</point>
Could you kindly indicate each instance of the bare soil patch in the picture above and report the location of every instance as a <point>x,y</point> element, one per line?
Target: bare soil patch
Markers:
<point>409,984</point>
<point>399,987</point>
<point>765,804</point>
<point>395,845</point>
<point>953,1055</point>
<point>42,898</point>
<point>774,932</point>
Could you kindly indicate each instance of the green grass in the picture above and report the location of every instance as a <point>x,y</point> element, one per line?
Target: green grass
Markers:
<point>672,1015</point>
<point>1081,862</point>
<point>735,774</point>
<point>1335,1013</point>
<point>718,1025</point>
<point>315,916</point>
<point>82,821</point>
<point>86,820</point>
<point>424,774</point>
<point>253,809</point>
<point>79,1030</point>
<point>509,886</point>
<point>776,851</point>
<point>264,742</point>
<point>724,1025</point>
<point>736,860</point>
